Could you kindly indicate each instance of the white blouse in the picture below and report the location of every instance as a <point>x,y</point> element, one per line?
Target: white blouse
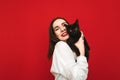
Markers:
<point>64,66</point>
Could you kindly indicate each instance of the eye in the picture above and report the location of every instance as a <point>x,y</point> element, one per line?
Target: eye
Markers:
<point>76,29</point>
<point>56,28</point>
<point>70,30</point>
<point>64,24</point>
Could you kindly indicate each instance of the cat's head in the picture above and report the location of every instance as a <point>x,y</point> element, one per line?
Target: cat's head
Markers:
<point>73,29</point>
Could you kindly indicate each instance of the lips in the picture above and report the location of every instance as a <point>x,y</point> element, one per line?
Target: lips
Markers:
<point>64,34</point>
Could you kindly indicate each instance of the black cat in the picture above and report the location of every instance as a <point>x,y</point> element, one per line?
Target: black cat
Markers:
<point>74,32</point>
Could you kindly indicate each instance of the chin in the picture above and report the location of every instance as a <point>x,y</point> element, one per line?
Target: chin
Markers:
<point>65,38</point>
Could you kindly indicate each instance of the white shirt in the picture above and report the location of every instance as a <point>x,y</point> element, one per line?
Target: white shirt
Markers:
<point>64,66</point>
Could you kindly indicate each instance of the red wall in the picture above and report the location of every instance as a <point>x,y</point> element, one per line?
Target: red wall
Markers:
<point>24,36</point>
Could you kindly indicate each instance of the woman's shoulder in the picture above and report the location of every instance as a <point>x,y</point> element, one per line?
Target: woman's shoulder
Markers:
<point>62,49</point>
<point>61,43</point>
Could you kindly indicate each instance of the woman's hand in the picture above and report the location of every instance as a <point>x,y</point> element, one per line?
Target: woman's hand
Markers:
<point>80,45</point>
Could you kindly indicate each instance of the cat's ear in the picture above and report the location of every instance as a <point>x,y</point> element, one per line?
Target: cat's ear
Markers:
<point>76,22</point>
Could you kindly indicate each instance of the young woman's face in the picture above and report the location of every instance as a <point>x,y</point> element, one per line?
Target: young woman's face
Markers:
<point>60,29</point>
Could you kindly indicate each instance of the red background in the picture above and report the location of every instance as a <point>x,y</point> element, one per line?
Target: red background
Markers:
<point>24,36</point>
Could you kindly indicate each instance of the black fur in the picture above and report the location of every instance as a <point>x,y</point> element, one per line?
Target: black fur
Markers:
<point>74,32</point>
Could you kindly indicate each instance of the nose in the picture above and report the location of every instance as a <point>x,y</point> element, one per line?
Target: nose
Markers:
<point>62,28</point>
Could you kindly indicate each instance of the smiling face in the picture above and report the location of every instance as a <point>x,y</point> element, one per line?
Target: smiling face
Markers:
<point>60,29</point>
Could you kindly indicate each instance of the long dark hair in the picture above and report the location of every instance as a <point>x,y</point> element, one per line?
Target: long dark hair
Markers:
<point>52,37</point>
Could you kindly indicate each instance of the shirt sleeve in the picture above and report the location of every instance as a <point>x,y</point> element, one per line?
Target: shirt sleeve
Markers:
<point>63,63</point>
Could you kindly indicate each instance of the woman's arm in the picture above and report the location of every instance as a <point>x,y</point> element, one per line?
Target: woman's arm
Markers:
<point>63,63</point>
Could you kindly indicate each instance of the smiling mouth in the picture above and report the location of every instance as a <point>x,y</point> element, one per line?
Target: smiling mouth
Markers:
<point>64,34</point>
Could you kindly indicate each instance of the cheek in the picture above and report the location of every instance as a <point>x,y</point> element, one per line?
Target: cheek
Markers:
<point>57,33</point>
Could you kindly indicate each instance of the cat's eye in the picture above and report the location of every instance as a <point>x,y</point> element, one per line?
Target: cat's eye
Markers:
<point>70,30</point>
<point>76,29</point>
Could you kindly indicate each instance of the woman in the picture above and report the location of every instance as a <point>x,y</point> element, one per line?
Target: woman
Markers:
<point>64,65</point>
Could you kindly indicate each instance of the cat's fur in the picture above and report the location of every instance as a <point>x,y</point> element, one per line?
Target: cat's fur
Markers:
<point>74,32</point>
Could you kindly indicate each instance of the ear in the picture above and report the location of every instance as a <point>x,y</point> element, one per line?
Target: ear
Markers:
<point>76,22</point>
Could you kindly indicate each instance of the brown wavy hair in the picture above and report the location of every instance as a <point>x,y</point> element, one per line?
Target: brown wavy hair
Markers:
<point>52,37</point>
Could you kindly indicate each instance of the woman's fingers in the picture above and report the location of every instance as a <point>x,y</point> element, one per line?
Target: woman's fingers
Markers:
<point>82,37</point>
<point>82,34</point>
